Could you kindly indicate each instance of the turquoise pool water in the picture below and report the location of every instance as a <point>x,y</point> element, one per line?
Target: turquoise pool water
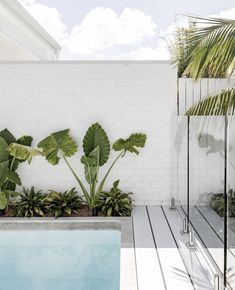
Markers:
<point>60,260</point>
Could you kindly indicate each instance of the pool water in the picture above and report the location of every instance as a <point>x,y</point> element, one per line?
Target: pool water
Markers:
<point>60,260</point>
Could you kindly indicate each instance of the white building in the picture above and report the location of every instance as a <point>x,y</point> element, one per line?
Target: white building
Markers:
<point>22,37</point>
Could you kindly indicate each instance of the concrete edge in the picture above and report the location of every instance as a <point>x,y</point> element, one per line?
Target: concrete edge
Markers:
<point>128,278</point>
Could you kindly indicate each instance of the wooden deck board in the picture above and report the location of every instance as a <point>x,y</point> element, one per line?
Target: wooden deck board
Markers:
<point>149,273</point>
<point>174,270</point>
<point>217,224</point>
<point>201,275</point>
<point>211,240</point>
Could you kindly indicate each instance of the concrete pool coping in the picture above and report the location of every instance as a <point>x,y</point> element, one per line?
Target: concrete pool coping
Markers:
<point>128,278</point>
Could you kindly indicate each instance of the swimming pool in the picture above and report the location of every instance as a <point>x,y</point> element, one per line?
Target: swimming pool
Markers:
<point>60,260</point>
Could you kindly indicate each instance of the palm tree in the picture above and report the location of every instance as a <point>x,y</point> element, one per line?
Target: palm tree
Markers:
<point>212,47</point>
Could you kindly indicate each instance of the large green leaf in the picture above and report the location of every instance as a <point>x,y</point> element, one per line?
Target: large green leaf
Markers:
<point>213,45</point>
<point>94,137</point>
<point>130,144</point>
<point>4,153</point>
<point>91,165</point>
<point>13,177</point>
<point>25,140</point>
<point>58,142</point>
<point>3,200</point>
<point>220,103</point>
<point>3,171</point>
<point>7,136</point>
<point>23,152</point>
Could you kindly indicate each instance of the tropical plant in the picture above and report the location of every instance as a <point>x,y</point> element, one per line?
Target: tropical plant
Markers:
<point>31,203</point>
<point>212,46</point>
<point>64,204</point>
<point>8,166</point>
<point>218,203</point>
<point>115,202</point>
<point>96,147</point>
<point>180,53</point>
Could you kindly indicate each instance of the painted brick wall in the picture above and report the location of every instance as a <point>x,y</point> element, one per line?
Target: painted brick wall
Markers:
<point>125,97</point>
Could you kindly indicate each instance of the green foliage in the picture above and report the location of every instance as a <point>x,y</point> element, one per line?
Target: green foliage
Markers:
<point>56,143</point>
<point>64,204</point>
<point>7,136</point>
<point>180,52</point>
<point>9,161</point>
<point>212,54</point>
<point>115,202</point>
<point>96,137</point>
<point>31,203</point>
<point>130,144</point>
<point>23,152</point>
<point>212,46</point>
<point>3,200</point>
<point>218,203</point>
<point>219,104</point>
<point>96,148</point>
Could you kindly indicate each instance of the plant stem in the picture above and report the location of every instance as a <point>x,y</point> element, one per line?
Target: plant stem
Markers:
<point>86,194</point>
<point>11,166</point>
<point>107,173</point>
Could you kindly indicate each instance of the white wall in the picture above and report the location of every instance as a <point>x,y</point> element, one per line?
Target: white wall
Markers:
<point>19,39</point>
<point>125,97</point>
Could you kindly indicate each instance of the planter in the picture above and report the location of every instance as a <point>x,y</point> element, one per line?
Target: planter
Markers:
<point>2,212</point>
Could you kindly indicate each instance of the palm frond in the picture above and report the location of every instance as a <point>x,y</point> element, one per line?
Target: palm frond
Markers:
<point>218,104</point>
<point>213,45</point>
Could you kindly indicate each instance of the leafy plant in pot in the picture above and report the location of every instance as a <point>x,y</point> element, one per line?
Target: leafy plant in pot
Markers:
<point>96,147</point>
<point>9,163</point>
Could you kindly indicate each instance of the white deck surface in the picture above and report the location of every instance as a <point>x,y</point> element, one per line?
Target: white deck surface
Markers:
<point>163,260</point>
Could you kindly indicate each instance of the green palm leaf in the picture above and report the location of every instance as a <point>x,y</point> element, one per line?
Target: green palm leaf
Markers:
<point>130,144</point>
<point>97,137</point>
<point>212,46</point>
<point>220,103</point>
<point>58,142</point>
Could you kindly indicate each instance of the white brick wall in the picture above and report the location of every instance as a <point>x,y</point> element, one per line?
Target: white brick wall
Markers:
<point>125,97</point>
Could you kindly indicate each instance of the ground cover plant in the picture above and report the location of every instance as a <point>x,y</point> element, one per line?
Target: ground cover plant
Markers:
<point>115,202</point>
<point>218,203</point>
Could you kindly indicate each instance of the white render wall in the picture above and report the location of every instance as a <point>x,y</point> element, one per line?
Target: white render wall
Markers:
<point>124,96</point>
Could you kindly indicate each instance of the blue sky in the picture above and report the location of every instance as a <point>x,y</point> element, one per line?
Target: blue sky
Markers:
<point>118,29</point>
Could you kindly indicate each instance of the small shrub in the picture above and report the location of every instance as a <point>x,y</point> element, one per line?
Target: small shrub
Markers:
<point>31,203</point>
<point>217,203</point>
<point>115,202</point>
<point>64,204</point>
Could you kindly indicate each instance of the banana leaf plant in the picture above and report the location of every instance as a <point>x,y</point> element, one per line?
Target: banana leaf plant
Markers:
<point>96,147</point>
<point>9,162</point>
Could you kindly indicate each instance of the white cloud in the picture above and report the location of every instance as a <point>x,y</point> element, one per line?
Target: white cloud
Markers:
<point>229,14</point>
<point>102,28</point>
<point>148,52</point>
<point>48,17</point>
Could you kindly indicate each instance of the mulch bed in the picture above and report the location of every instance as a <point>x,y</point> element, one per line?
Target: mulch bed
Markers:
<point>82,212</point>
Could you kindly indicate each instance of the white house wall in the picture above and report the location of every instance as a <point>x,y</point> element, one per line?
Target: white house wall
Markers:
<point>17,34</point>
<point>125,97</point>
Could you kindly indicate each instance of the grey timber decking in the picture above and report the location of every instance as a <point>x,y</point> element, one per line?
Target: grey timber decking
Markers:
<point>163,260</point>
